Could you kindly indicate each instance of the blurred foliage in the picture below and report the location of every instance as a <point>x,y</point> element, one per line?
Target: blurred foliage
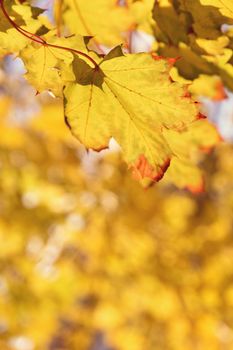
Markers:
<point>90,260</point>
<point>200,32</point>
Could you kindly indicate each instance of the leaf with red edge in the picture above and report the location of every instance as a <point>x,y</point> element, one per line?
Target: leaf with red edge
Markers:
<point>187,148</point>
<point>132,99</point>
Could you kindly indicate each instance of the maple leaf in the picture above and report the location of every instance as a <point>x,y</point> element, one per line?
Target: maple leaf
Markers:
<point>12,40</point>
<point>105,20</point>
<point>194,29</point>
<point>208,86</point>
<point>187,148</point>
<point>49,68</point>
<point>205,85</point>
<point>132,99</point>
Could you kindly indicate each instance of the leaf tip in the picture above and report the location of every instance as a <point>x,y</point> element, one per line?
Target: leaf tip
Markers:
<point>143,169</point>
<point>220,92</point>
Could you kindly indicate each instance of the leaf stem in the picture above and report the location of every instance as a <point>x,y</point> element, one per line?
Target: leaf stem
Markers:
<point>39,40</point>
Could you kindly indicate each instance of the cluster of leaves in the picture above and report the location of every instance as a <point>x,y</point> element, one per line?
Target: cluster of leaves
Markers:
<point>69,278</point>
<point>138,99</point>
<point>195,31</point>
<point>89,260</point>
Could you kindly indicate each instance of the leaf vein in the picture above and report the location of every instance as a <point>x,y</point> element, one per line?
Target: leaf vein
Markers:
<point>132,120</point>
<point>141,95</point>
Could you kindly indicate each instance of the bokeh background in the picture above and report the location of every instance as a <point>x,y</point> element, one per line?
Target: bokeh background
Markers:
<point>89,260</point>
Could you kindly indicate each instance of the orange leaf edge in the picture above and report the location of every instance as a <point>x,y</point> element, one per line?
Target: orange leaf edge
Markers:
<point>143,169</point>
<point>220,92</point>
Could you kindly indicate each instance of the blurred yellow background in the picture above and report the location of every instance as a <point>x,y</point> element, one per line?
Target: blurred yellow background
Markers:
<point>89,260</point>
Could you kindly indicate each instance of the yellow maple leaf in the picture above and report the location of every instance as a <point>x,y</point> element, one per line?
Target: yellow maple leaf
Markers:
<point>192,30</point>
<point>105,20</point>
<point>49,68</point>
<point>213,47</point>
<point>208,86</point>
<point>132,99</point>
<point>187,147</point>
<point>11,39</point>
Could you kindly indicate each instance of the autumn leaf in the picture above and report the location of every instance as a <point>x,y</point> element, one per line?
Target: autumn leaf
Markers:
<point>12,40</point>
<point>195,30</point>
<point>132,99</point>
<point>105,20</point>
<point>187,148</point>
<point>210,86</point>
<point>49,68</point>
